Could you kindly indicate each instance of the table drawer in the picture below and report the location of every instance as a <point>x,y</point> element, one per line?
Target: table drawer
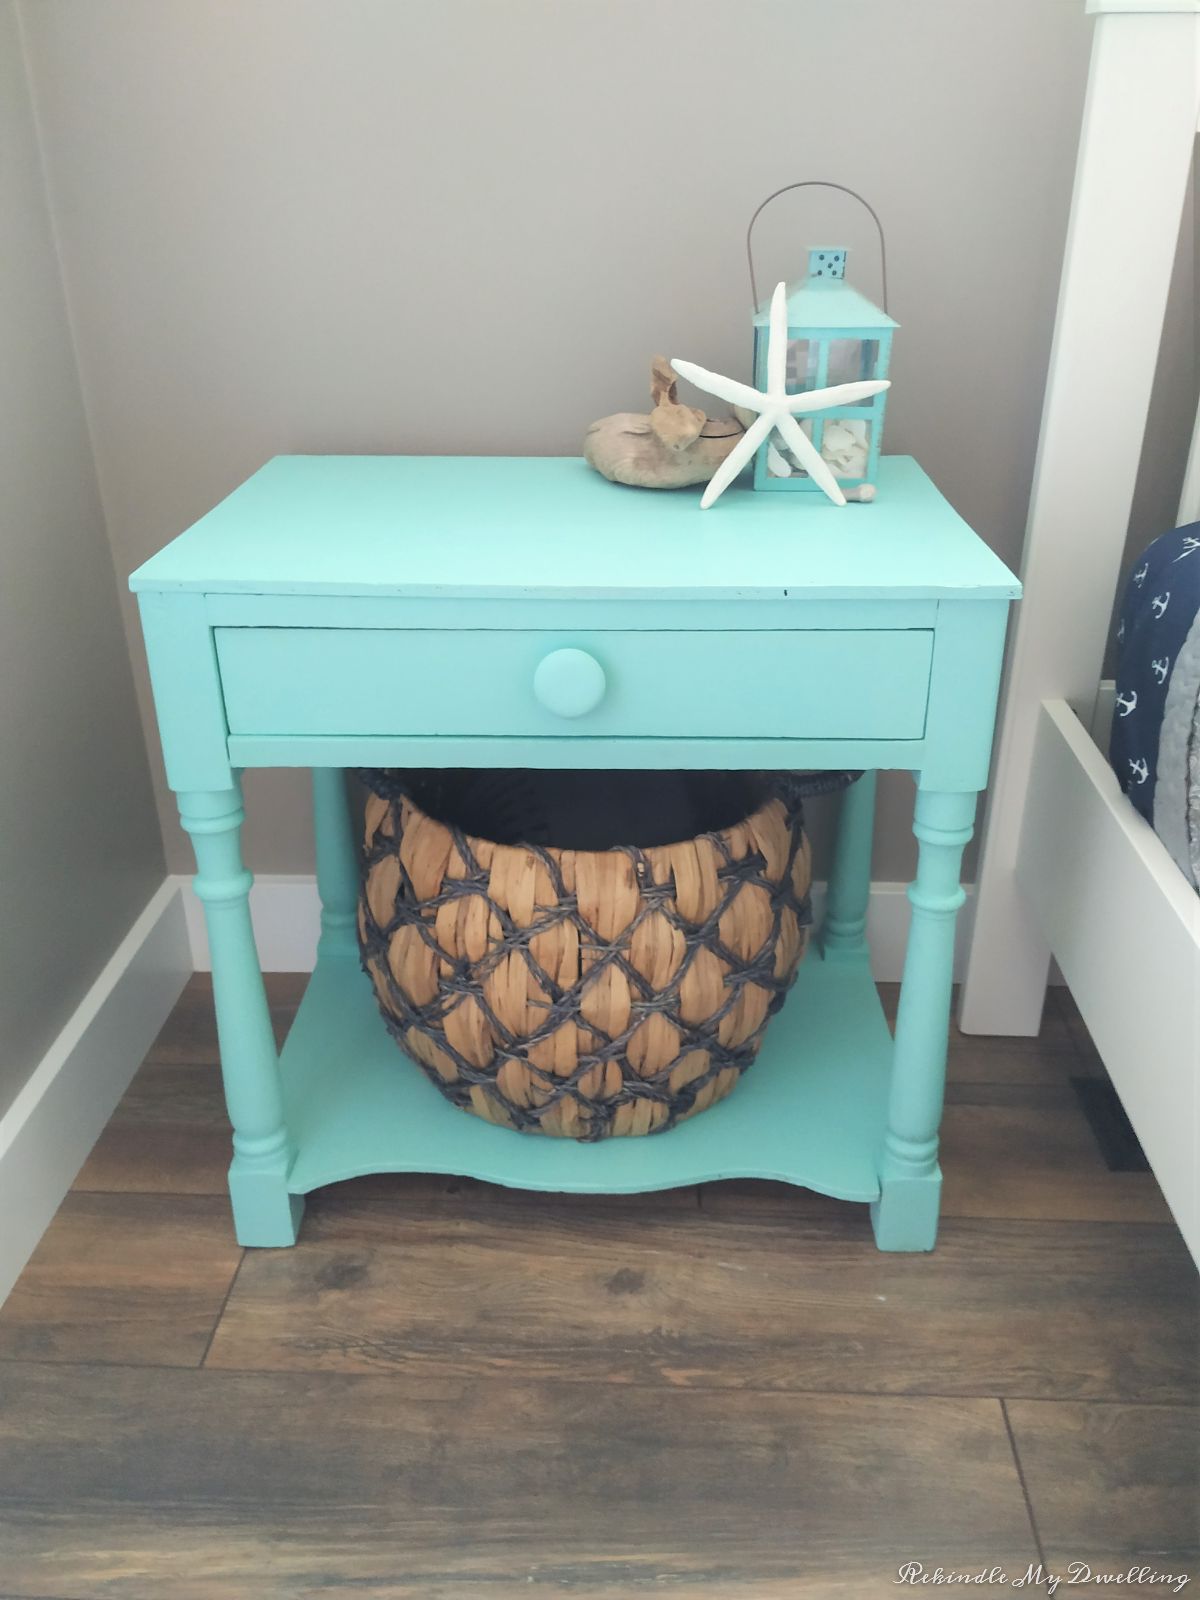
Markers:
<point>833,684</point>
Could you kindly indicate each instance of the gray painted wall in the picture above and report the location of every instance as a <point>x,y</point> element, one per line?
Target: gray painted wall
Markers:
<point>273,214</point>
<point>80,848</point>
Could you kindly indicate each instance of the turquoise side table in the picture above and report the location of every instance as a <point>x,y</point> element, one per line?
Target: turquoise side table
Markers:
<point>388,611</point>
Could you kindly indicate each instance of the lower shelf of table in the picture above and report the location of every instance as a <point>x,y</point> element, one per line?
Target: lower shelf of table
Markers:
<point>810,1111</point>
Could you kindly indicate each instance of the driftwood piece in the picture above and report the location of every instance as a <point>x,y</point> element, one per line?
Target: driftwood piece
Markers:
<point>675,445</point>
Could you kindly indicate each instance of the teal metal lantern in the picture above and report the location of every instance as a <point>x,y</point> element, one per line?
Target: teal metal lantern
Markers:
<point>834,335</point>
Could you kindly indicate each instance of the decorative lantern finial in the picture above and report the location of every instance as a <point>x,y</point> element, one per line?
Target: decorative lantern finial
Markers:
<point>827,263</point>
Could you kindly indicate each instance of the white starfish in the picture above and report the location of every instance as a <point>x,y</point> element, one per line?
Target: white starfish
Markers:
<point>777,410</point>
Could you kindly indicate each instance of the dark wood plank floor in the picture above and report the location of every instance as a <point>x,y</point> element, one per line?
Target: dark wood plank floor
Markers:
<point>449,1390</point>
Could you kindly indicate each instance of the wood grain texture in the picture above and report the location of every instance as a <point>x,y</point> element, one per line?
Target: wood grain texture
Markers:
<point>1015,1144</point>
<point>213,1487</point>
<point>496,1394</point>
<point>1137,1466</point>
<point>169,1135</point>
<point>966,1063</point>
<point>123,1278</point>
<point>502,1283</point>
<point>1061,999</point>
<point>1027,1151</point>
<point>190,1035</point>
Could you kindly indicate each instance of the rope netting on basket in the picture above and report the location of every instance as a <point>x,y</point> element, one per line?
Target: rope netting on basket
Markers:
<point>580,992</point>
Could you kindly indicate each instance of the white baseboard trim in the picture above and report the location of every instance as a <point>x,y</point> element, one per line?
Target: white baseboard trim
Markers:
<point>888,916</point>
<point>47,1132</point>
<point>286,914</point>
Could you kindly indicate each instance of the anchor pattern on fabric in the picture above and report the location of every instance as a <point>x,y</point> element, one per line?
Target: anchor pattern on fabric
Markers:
<point>1158,607</point>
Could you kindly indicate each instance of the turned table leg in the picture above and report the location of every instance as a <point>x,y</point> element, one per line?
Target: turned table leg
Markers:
<point>844,930</point>
<point>337,862</point>
<point>263,1210</point>
<point>906,1214</point>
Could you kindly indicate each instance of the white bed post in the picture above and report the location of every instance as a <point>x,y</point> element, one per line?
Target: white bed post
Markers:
<point>1189,499</point>
<point>1139,126</point>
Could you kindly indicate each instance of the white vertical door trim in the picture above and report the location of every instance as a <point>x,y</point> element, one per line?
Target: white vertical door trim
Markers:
<point>1189,499</point>
<point>1135,152</point>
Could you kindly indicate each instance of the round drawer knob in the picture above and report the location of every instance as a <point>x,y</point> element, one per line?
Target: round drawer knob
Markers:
<point>570,683</point>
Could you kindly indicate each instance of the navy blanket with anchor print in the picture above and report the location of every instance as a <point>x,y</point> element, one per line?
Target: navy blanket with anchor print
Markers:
<point>1155,748</point>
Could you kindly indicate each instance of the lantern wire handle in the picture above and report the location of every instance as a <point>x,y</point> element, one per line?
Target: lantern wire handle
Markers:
<point>817,183</point>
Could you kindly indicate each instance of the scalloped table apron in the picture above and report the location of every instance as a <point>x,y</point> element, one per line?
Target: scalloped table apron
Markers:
<point>383,611</point>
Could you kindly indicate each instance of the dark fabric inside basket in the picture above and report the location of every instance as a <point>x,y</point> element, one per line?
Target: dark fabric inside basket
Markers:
<point>580,810</point>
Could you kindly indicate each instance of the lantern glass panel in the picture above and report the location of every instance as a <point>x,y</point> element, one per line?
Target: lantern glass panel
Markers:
<point>845,360</point>
<point>782,453</point>
<point>802,359</point>
<point>845,444</point>
<point>853,360</point>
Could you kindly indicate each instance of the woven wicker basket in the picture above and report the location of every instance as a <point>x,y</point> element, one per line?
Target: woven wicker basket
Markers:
<point>581,993</point>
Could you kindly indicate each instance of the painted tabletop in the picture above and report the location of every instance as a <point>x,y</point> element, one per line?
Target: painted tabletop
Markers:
<point>491,526</point>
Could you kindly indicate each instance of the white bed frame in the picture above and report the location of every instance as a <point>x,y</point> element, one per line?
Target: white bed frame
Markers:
<point>1069,869</point>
